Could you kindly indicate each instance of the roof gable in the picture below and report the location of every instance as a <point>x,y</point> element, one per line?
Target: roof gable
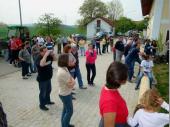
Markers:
<point>109,22</point>
<point>146,6</point>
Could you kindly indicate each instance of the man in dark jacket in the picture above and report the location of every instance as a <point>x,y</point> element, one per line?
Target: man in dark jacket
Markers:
<point>45,73</point>
<point>77,69</point>
<point>119,46</point>
<point>132,56</point>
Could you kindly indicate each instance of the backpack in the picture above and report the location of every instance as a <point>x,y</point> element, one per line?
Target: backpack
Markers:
<point>3,120</point>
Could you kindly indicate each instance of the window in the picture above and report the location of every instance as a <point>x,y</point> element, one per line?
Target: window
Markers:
<point>98,23</point>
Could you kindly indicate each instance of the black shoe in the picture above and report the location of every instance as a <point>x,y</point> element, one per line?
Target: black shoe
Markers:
<point>70,125</point>
<point>73,98</point>
<point>93,84</point>
<point>25,77</point>
<point>44,108</point>
<point>73,93</point>
<point>130,81</point>
<point>83,87</point>
<point>136,88</point>
<point>28,74</point>
<point>134,76</point>
<point>50,103</point>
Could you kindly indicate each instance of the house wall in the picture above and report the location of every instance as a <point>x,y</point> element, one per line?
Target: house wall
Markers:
<point>157,12</point>
<point>91,27</point>
<point>165,19</point>
<point>159,19</point>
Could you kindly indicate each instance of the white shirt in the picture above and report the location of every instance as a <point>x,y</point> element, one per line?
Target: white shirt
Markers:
<point>63,77</point>
<point>147,65</point>
<point>40,40</point>
<point>150,119</point>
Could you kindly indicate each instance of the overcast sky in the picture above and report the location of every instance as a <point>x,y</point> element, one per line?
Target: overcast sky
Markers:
<point>65,10</point>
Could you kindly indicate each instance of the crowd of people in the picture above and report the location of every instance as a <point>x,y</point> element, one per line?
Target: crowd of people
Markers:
<point>36,55</point>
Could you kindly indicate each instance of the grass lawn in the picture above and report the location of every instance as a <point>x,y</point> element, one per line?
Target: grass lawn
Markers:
<point>161,72</point>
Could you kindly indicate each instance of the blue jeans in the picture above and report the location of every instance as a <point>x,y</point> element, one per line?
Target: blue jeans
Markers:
<point>98,48</point>
<point>45,90</point>
<point>130,69</point>
<point>141,74</point>
<point>82,50</point>
<point>78,76</point>
<point>72,72</point>
<point>67,110</point>
<point>34,64</point>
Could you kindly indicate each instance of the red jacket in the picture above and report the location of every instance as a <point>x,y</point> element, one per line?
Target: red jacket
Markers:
<point>91,56</point>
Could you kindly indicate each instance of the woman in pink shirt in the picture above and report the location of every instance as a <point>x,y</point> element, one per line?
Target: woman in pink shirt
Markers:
<point>91,56</point>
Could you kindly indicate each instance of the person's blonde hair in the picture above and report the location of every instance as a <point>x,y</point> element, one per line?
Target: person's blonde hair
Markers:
<point>149,98</point>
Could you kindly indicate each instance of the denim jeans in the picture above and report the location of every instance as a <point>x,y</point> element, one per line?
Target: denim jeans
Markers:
<point>103,48</point>
<point>31,68</point>
<point>90,67</point>
<point>45,90</point>
<point>141,74</point>
<point>34,63</point>
<point>72,72</point>
<point>59,48</point>
<point>119,55</point>
<point>78,76</point>
<point>82,51</point>
<point>67,110</point>
<point>25,68</point>
<point>114,55</point>
<point>101,124</point>
<point>98,48</point>
<point>130,65</point>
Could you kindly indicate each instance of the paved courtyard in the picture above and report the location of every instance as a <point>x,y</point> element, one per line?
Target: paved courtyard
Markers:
<point>20,98</point>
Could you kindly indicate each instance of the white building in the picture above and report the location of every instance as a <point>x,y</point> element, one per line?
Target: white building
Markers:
<point>159,18</point>
<point>99,25</point>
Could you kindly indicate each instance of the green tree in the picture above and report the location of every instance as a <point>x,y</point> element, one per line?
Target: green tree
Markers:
<point>142,24</point>
<point>124,24</point>
<point>3,30</point>
<point>92,9</point>
<point>48,25</point>
<point>115,10</point>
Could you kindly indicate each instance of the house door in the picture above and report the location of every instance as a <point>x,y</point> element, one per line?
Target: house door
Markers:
<point>167,35</point>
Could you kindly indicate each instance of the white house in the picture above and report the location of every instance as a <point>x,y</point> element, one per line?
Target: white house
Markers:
<point>99,25</point>
<point>159,18</point>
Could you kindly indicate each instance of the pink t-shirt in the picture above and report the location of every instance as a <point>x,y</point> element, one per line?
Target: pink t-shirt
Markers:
<point>112,102</point>
<point>91,56</point>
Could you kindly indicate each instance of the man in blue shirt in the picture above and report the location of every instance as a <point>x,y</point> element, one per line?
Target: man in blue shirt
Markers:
<point>131,58</point>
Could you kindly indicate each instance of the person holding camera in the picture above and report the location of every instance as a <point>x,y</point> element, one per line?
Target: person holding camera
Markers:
<point>45,73</point>
<point>91,56</point>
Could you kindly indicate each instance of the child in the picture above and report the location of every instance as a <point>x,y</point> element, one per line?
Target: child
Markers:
<point>145,69</point>
<point>147,115</point>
